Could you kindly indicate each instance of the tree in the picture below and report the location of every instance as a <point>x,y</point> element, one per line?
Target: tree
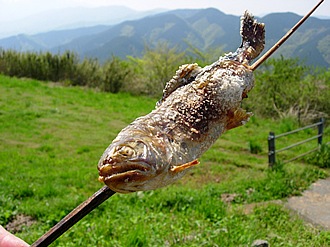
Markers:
<point>156,68</point>
<point>288,88</point>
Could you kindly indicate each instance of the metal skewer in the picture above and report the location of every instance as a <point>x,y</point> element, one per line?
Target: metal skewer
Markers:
<point>74,216</point>
<point>283,39</point>
<point>104,193</point>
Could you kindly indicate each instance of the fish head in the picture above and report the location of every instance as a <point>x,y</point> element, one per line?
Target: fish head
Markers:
<point>127,165</point>
<point>142,163</point>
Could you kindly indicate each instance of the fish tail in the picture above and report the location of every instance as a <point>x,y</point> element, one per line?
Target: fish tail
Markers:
<point>253,36</point>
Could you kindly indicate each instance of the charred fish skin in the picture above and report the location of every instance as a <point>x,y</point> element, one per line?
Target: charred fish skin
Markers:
<point>198,105</point>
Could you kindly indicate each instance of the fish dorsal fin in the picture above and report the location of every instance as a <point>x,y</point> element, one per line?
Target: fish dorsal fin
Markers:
<point>183,76</point>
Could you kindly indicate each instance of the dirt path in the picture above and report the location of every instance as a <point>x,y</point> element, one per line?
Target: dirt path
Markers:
<point>314,204</point>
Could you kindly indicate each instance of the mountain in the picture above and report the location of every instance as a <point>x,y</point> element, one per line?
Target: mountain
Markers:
<point>48,40</point>
<point>202,28</point>
<point>311,42</point>
<point>130,37</point>
<point>70,18</point>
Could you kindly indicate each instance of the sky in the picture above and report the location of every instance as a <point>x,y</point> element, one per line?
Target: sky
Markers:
<point>17,9</point>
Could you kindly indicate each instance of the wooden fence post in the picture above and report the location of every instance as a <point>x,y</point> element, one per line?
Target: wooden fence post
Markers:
<point>320,131</point>
<point>271,149</point>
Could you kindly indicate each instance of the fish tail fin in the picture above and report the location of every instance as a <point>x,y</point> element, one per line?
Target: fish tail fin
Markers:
<point>253,36</point>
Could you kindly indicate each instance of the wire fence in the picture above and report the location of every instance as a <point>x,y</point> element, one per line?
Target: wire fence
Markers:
<point>272,151</point>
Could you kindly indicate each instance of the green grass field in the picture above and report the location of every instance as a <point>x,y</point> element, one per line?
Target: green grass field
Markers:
<point>51,138</point>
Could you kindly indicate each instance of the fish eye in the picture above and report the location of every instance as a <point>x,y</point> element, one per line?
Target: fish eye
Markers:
<point>126,151</point>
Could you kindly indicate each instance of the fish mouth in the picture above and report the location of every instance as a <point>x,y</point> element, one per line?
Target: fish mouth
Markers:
<point>116,174</point>
<point>113,169</point>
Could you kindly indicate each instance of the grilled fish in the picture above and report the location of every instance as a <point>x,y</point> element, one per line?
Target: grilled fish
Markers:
<point>198,105</point>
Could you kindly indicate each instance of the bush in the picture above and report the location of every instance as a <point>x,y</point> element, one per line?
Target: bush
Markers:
<point>40,66</point>
<point>322,157</point>
<point>286,88</point>
<point>88,73</point>
<point>66,68</point>
<point>254,147</point>
<point>155,68</point>
<point>114,73</point>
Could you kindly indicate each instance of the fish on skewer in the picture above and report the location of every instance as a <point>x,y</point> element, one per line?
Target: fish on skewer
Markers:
<point>115,154</point>
<point>198,105</point>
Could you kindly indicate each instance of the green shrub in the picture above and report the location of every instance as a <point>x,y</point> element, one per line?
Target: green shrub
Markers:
<point>155,68</point>
<point>88,73</point>
<point>114,73</point>
<point>322,157</point>
<point>255,147</point>
<point>286,88</point>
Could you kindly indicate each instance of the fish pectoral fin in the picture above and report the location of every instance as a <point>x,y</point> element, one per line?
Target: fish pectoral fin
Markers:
<point>237,118</point>
<point>180,168</point>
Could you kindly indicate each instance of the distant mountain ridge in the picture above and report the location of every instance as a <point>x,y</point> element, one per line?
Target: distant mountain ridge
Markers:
<point>71,18</point>
<point>202,28</point>
<point>48,40</point>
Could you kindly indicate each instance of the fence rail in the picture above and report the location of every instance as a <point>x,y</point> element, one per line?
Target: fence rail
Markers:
<point>272,137</point>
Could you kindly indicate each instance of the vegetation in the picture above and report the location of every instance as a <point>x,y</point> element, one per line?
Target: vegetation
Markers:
<point>285,88</point>
<point>52,137</point>
<point>322,157</point>
<point>65,68</point>
<point>154,69</point>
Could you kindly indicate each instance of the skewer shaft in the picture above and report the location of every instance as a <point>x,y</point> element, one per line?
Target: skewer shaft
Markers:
<point>74,216</point>
<point>283,39</point>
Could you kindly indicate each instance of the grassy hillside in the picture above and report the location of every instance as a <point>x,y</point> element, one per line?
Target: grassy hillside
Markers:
<point>51,138</point>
